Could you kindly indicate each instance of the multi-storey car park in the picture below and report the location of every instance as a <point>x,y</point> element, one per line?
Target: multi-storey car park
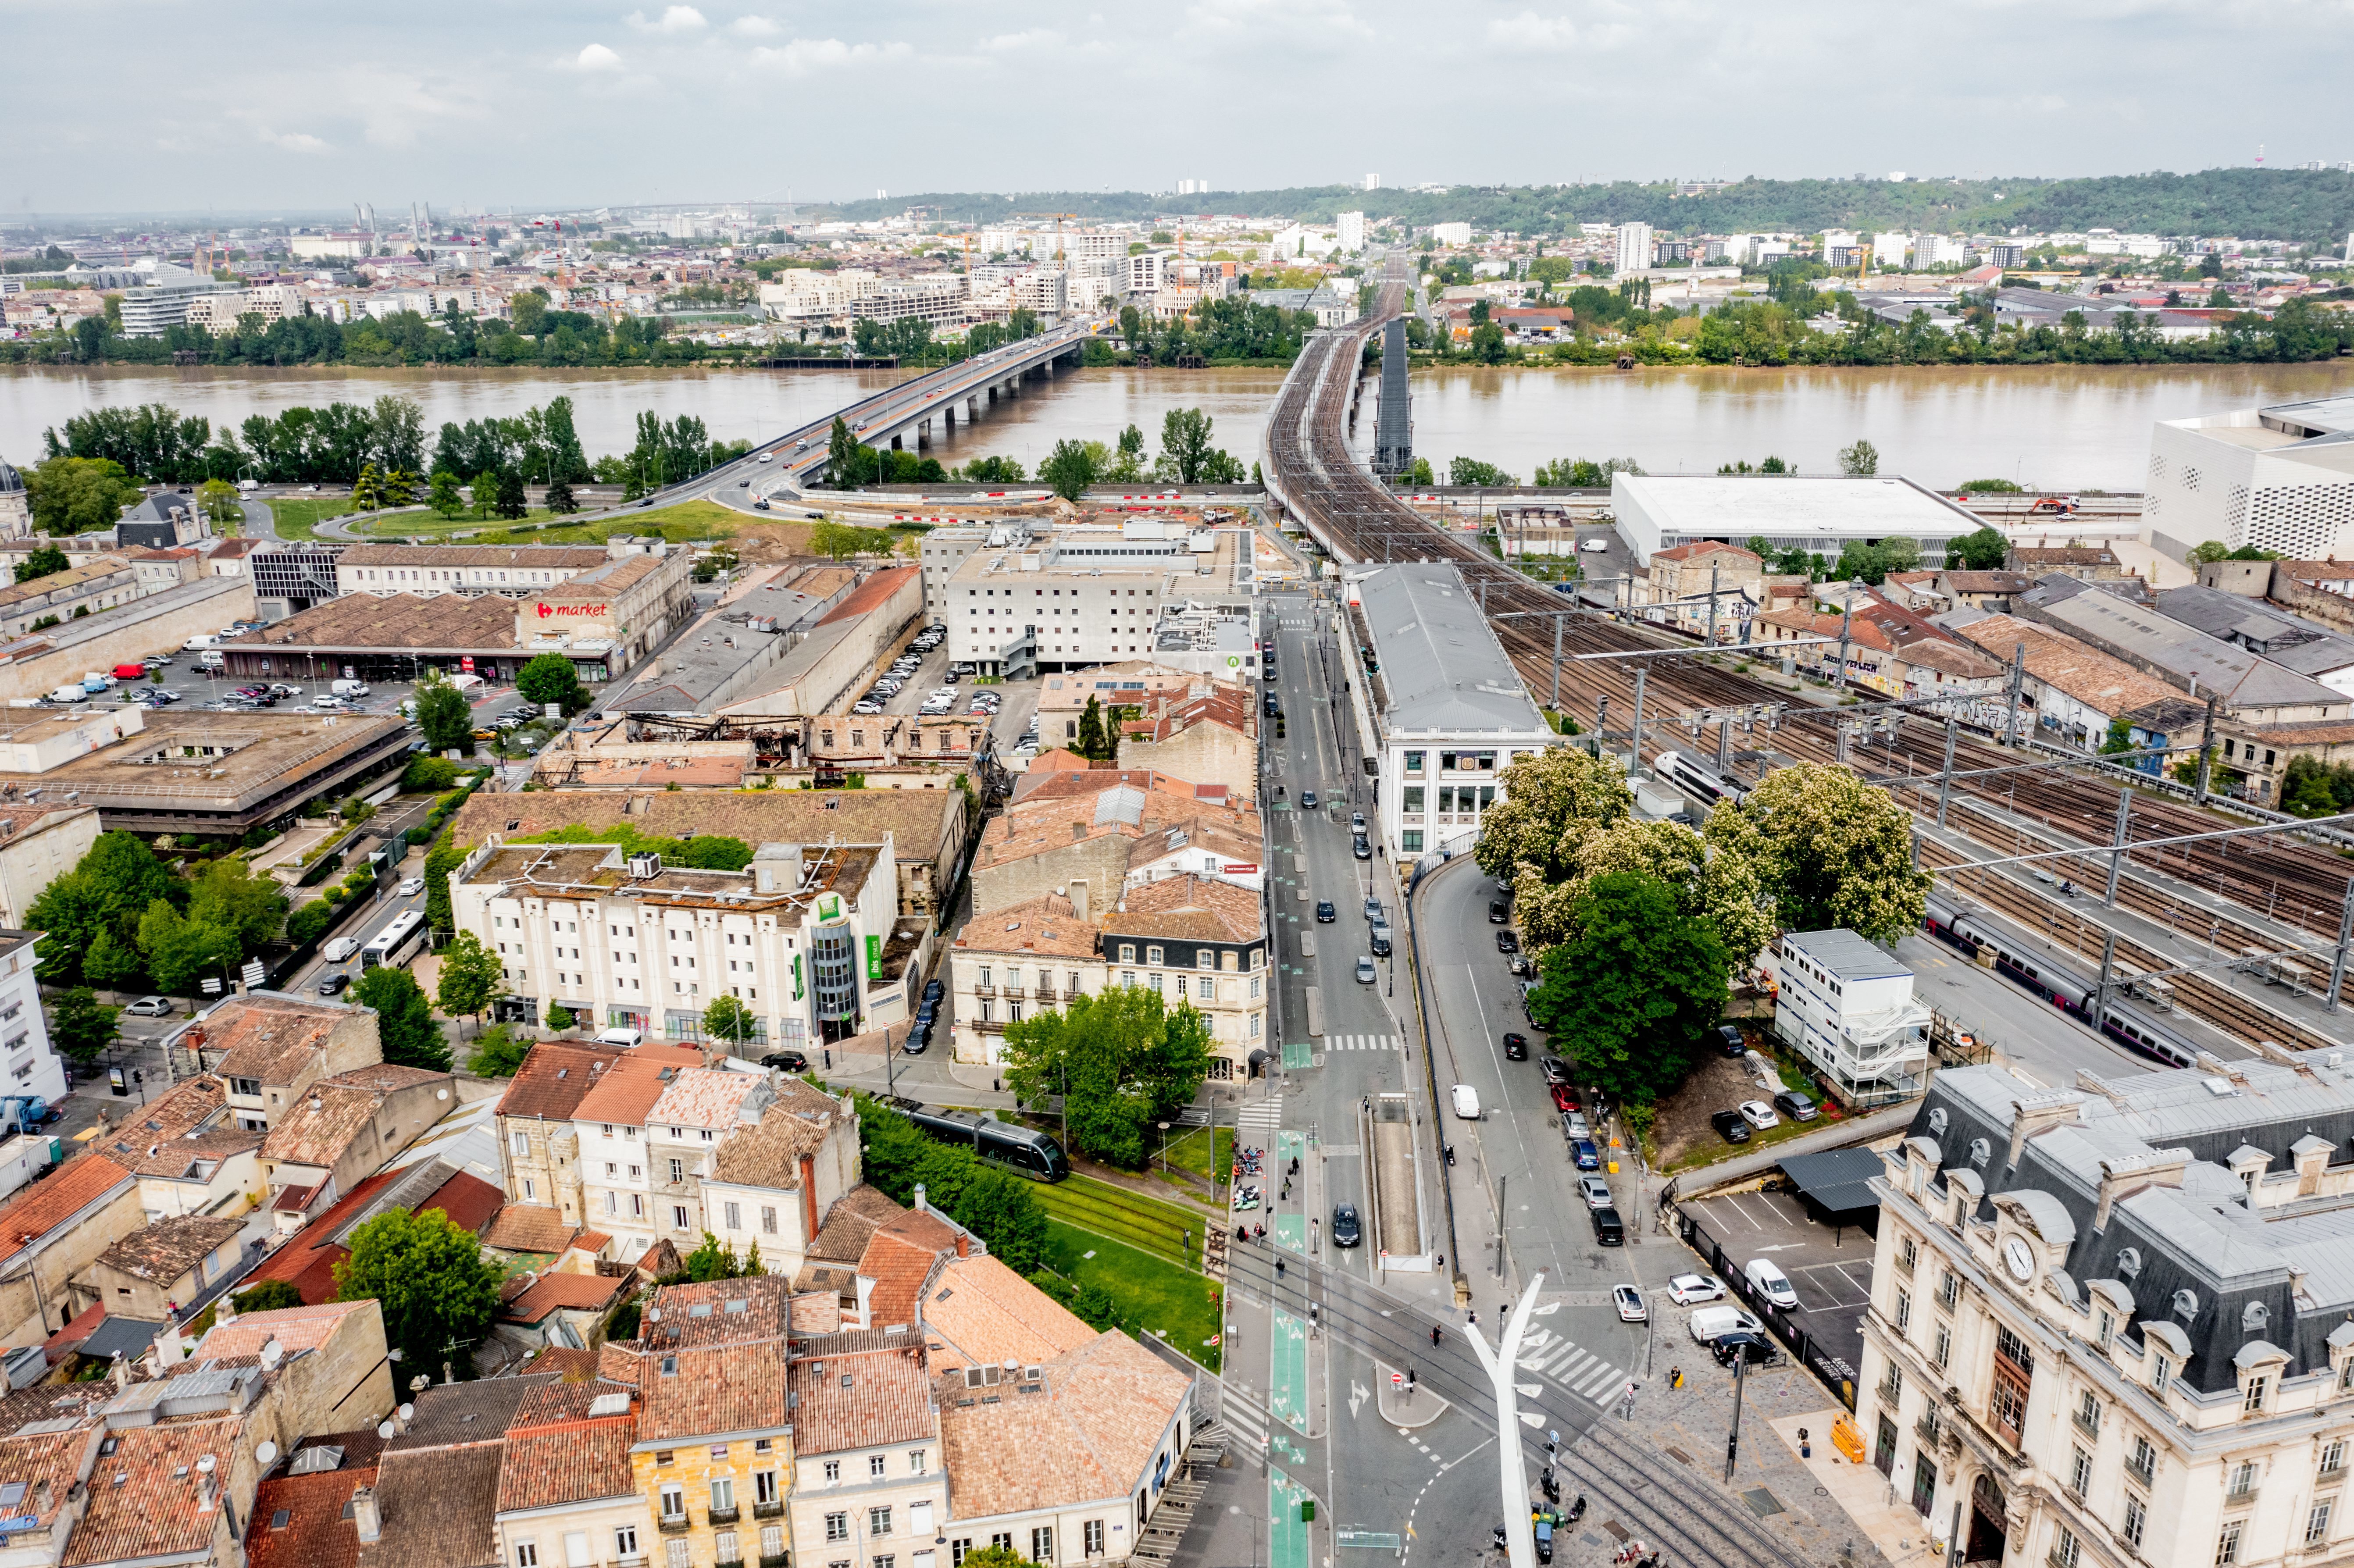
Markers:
<point>1597,669</point>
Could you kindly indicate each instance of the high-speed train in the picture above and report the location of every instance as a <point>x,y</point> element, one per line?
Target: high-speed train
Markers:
<point>1686,773</point>
<point>2061,986</point>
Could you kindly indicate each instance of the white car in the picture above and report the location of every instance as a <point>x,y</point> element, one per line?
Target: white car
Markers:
<point>1691,1290</point>
<point>1759,1114</point>
<point>1769,1281</point>
<point>1629,1302</point>
<point>1593,547</point>
<point>767,457</point>
<point>1596,1192</point>
<point>410,886</point>
<point>150,1007</point>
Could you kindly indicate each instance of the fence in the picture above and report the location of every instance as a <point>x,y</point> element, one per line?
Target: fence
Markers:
<point>1835,1371</point>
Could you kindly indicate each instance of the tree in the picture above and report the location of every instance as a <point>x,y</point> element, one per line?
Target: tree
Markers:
<point>1831,851</point>
<point>444,858</point>
<point>428,775</point>
<point>560,1017</point>
<point>404,1019</point>
<point>109,888</point>
<point>1091,743</point>
<point>398,488</point>
<point>2207,553</point>
<point>1069,469</point>
<point>41,563</point>
<point>841,541</point>
<point>309,923</point>
<point>226,894</point>
<point>74,495</point>
<point>355,811</point>
<point>846,456</point>
<point>1127,464</point>
<point>551,678</point>
<point>470,978</point>
<point>367,490</point>
<point>2119,738</point>
<point>729,1019</point>
<point>444,714</point>
<point>1628,997</point>
<point>1983,551</point>
<point>511,502</point>
<point>1002,469</point>
<point>428,1274</point>
<point>217,498</point>
<point>1185,442</point>
<point>1861,460</point>
<point>181,952</point>
<point>1467,471</point>
<point>1488,345</point>
<point>110,962</point>
<point>79,1028</point>
<point>444,494</point>
<point>1119,1060</point>
<point>497,1053</point>
<point>560,497</point>
<point>269,1296</point>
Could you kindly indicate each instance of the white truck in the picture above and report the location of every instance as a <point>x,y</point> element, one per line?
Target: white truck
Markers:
<point>349,688</point>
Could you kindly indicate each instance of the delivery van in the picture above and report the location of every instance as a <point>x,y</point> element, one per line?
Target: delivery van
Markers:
<point>69,694</point>
<point>130,671</point>
<point>349,688</point>
<point>1466,1102</point>
<point>627,1039</point>
<point>1710,1323</point>
<point>342,948</point>
<point>95,682</point>
<point>212,659</point>
<point>200,641</point>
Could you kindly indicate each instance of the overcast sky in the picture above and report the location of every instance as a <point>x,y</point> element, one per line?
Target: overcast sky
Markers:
<point>119,105</point>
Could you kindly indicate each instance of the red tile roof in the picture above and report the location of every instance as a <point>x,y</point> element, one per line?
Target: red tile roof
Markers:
<point>315,1533</point>
<point>860,1401</point>
<point>561,1292</point>
<point>143,1498</point>
<point>873,594</point>
<point>899,1259</point>
<point>47,1204</point>
<point>628,1088</point>
<point>530,1227</point>
<point>295,1328</point>
<point>575,1461</point>
<point>554,1076</point>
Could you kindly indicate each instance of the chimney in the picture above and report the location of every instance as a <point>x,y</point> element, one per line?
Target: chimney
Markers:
<point>1079,896</point>
<point>964,1244</point>
<point>364,1517</point>
<point>207,1492</point>
<point>919,1198</point>
<point>118,1372</point>
<point>809,1200</point>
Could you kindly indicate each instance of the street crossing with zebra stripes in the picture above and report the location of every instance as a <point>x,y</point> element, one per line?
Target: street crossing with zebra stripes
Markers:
<point>1359,1042</point>
<point>1582,1372</point>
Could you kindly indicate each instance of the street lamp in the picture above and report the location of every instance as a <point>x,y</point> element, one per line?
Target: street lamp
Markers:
<point>1164,1148</point>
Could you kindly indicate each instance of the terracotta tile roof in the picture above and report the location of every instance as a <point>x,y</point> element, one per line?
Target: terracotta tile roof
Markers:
<point>2032,557</point>
<point>401,620</point>
<point>50,1402</point>
<point>851,1222</point>
<point>899,1259</point>
<point>44,1205</point>
<point>553,1293</point>
<point>873,594</point>
<point>722,1388</point>
<point>439,1505</point>
<point>719,1312</point>
<point>858,1400</point>
<point>1189,906</point>
<point>144,1142</point>
<point>769,1153</point>
<point>977,1311</point>
<point>1087,1435</point>
<point>307,1259</point>
<point>628,1088</point>
<point>320,1126</point>
<point>704,1097</point>
<point>268,1039</point>
<point>295,1328</point>
<point>563,1361</point>
<point>530,1227</point>
<point>2103,683</point>
<point>571,1462</point>
<point>161,1252</point>
<point>48,1464</point>
<point>469,1202</point>
<point>1984,582</point>
<point>1047,925</point>
<point>314,1533</point>
<point>139,1507</point>
<point>916,819</point>
<point>555,1075</point>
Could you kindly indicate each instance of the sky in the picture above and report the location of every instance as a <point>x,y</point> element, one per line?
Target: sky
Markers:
<point>241,107</point>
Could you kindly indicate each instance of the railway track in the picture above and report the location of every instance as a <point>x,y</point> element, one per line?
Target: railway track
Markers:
<point>1360,521</point>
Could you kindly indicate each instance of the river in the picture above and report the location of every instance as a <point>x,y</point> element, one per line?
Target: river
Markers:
<point>2053,427</point>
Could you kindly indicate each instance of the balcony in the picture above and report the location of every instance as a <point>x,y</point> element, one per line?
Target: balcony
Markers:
<point>1015,993</point>
<point>2141,1474</point>
<point>768,1510</point>
<point>1928,1429</point>
<point>2091,1429</point>
<point>1890,1391</point>
<point>635,1560</point>
<point>1904,1266</point>
<point>984,991</point>
<point>728,1515</point>
<point>775,1559</point>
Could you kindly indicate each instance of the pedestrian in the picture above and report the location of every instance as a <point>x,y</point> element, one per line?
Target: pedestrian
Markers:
<point>1675,1377</point>
<point>1434,1334</point>
<point>1474,1316</point>
<point>1279,1268</point>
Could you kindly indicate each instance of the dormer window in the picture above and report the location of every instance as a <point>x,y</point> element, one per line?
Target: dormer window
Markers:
<point>2256,1394</point>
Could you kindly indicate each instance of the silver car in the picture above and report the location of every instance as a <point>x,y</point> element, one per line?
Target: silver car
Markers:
<point>1596,1192</point>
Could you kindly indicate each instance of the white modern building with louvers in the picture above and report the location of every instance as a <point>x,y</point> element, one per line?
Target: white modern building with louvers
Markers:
<point>2280,478</point>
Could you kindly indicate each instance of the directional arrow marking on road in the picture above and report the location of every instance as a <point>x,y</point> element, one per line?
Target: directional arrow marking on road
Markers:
<point>1358,1394</point>
<point>1547,1310</point>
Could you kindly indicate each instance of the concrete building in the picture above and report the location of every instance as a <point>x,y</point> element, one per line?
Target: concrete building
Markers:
<point>2125,1340</point>
<point>16,505</point>
<point>1451,234</point>
<point>38,843</point>
<point>40,661</point>
<point>1849,1009</point>
<point>2276,636</point>
<point>1634,247</point>
<point>81,589</point>
<point>816,665</point>
<point>516,571</point>
<point>1089,594</point>
<point>1349,229</point>
<point>2279,477</point>
<point>1821,514</point>
<point>1448,711</point>
<point>2072,693</point>
<point>2249,685</point>
<point>151,309</point>
<point>1706,588</point>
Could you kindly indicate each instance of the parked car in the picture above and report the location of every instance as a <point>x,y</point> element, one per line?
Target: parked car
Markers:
<point>1693,1289</point>
<point>1766,1278</point>
<point>1363,848</point>
<point>1325,913</point>
<point>1595,1190</point>
<point>1508,941</point>
<point>1365,975</point>
<point>1374,911</point>
<point>1730,1126</point>
<point>1347,1230</point>
<point>1610,1230</point>
<point>919,1038</point>
<point>333,982</point>
<point>1465,1101</point>
<point>1629,1302</point>
<point>1565,1097</point>
<point>786,1061</point>
<point>150,1007</point>
<point>1574,1125</point>
<point>1731,1040</point>
<point>1557,1069</point>
<point>1796,1105</point>
<point>1759,1114</point>
<point>1710,1323</point>
<point>1754,1348</point>
<point>1500,910</point>
<point>1584,1154</point>
<point>1516,1047</point>
<point>934,991</point>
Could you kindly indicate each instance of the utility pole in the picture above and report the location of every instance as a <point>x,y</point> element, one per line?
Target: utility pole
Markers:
<point>2207,747</point>
<point>1733,1438</point>
<point>1712,570</point>
<point>1946,779</point>
<point>2101,989</point>
<point>1847,618</point>
<point>1557,621</point>
<point>2118,846</point>
<point>1635,743</point>
<point>2345,934</point>
<point>2018,687</point>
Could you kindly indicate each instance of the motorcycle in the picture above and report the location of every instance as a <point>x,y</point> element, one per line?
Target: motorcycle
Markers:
<point>1243,1205</point>
<point>1576,1510</point>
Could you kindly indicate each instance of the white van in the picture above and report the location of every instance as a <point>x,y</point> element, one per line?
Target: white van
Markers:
<point>212,659</point>
<point>1466,1102</point>
<point>349,688</point>
<point>1770,1282</point>
<point>342,948</point>
<point>69,694</point>
<point>1712,1323</point>
<point>202,639</point>
<point>627,1039</point>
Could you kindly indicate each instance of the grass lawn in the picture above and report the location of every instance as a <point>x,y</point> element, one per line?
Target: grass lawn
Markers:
<point>1148,1224</point>
<point>431,524</point>
<point>1154,1296</point>
<point>1192,1151</point>
<point>298,518</point>
<point>689,520</point>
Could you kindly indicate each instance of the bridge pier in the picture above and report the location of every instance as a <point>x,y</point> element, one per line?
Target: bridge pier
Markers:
<point>948,415</point>
<point>923,434</point>
<point>972,410</point>
<point>895,440</point>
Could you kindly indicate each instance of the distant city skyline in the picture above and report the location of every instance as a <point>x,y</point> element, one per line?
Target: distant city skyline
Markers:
<point>578,106</point>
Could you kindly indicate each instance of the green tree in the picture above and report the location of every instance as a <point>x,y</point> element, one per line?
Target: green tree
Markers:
<point>74,495</point>
<point>1861,460</point>
<point>444,716</point>
<point>1002,1210</point>
<point>109,888</point>
<point>309,923</point>
<point>80,1027</point>
<point>41,563</point>
<point>1983,551</point>
<point>226,894</point>
<point>445,494</point>
<point>444,858</point>
<point>217,499</point>
<point>1628,997</point>
<point>367,490</point>
<point>180,953</point>
<point>1001,469</point>
<point>1488,345</point>
<point>404,1019</point>
<point>510,502</point>
<point>841,541</point>
<point>560,1017</point>
<point>560,497</point>
<point>1185,442</point>
<point>847,458</point>
<point>712,1260</point>
<point>1467,471</point>
<point>2207,553</point>
<point>428,1274</point>
<point>1830,849</point>
<point>1091,743</point>
<point>470,978</point>
<point>428,775</point>
<point>269,1296</point>
<point>2119,738</point>
<point>729,1020</point>
<point>1119,1060</point>
<point>109,963</point>
<point>551,678</point>
<point>1069,469</point>
<point>497,1053</point>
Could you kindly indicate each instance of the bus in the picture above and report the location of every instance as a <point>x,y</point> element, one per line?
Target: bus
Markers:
<point>1003,1143</point>
<point>396,943</point>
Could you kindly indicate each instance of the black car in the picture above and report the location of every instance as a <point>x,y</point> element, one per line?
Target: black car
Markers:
<point>1308,800</point>
<point>1325,913</point>
<point>786,1061</point>
<point>334,984</point>
<point>1362,849</point>
<point>934,991</point>
<point>1499,911</point>
<point>1756,1349</point>
<point>1734,1042</point>
<point>1730,1126</point>
<point>1346,1229</point>
<point>920,1035</point>
<point>1508,941</point>
<point>1516,1047</point>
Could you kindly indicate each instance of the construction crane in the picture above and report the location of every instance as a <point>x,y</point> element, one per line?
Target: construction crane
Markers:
<point>1058,218</point>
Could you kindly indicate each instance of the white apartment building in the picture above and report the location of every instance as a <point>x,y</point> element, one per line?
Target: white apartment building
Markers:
<point>1095,245</point>
<point>32,1066</point>
<point>806,937</point>
<point>1349,231</point>
<point>1455,234</point>
<point>2129,1340</point>
<point>1890,249</point>
<point>1939,250</point>
<point>2280,478</point>
<point>1044,292</point>
<point>221,311</point>
<point>149,310</point>
<point>1848,1007</point>
<point>1088,595</point>
<point>430,570</point>
<point>646,1136</point>
<point>1634,251</point>
<point>1147,274</point>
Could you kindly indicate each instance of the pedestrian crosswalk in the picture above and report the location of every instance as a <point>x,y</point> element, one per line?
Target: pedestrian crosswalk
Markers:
<point>1564,1363</point>
<point>1239,1414</point>
<point>1360,1043</point>
<point>1260,1116</point>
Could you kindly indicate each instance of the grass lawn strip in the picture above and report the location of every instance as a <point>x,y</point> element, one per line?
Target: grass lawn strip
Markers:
<point>1143,1222</point>
<point>1154,1296</point>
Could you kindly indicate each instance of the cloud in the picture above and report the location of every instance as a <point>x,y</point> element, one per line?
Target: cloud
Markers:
<point>674,19</point>
<point>754,27</point>
<point>296,141</point>
<point>807,57</point>
<point>597,57</point>
<point>1029,38</point>
<point>1529,31</point>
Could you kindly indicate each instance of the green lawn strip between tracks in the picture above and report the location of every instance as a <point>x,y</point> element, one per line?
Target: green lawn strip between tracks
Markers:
<point>1152,1295</point>
<point>1145,1224</point>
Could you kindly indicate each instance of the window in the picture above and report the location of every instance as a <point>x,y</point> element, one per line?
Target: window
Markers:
<point>735,1216</point>
<point>2108,1327</point>
<point>2080,1473</point>
<point>1204,959</point>
<point>2333,1455</point>
<point>1042,1544</point>
<point>878,1522</point>
<point>2161,1373</point>
<point>724,1549</point>
<point>764,1486</point>
<point>723,1494</point>
<point>677,1172</point>
<point>2007,1404</point>
<point>625,1541</point>
<point>678,1217</point>
<point>2014,1350</point>
<point>2316,1523</point>
<point>1091,1538</point>
<point>1950,1290</point>
<point>526,1554</point>
<point>2066,1549</point>
<point>833,1471</point>
<point>2136,1514</point>
<point>915,1461</point>
<point>2088,1412</point>
<point>874,1461</point>
<point>1152,955</point>
<point>1904,1311</point>
<point>956,1549</point>
<point>2227,1544</point>
<point>673,1501</point>
<point>2242,1481</point>
<point>767,1219</point>
<point>1128,955</point>
<point>1943,1352</point>
<point>837,1527</point>
<point>2253,1396</point>
<point>2141,1461</point>
<point>1908,1253</point>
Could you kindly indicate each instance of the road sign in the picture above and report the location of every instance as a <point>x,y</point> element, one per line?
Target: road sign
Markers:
<point>1397,1380</point>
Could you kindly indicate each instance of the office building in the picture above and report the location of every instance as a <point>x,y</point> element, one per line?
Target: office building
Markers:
<point>1847,1008</point>
<point>1089,594</point>
<point>2280,478</point>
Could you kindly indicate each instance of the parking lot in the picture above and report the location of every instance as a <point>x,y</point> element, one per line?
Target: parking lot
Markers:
<point>1017,700</point>
<point>1829,1267</point>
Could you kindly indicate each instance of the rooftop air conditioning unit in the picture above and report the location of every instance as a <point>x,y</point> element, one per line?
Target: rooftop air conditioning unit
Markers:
<point>644,867</point>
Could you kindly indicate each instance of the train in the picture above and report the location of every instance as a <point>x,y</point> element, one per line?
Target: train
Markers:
<point>1688,775</point>
<point>2060,985</point>
<point>1018,1149</point>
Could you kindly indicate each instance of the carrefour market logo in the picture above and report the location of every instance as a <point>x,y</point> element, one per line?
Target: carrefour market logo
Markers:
<point>546,609</point>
